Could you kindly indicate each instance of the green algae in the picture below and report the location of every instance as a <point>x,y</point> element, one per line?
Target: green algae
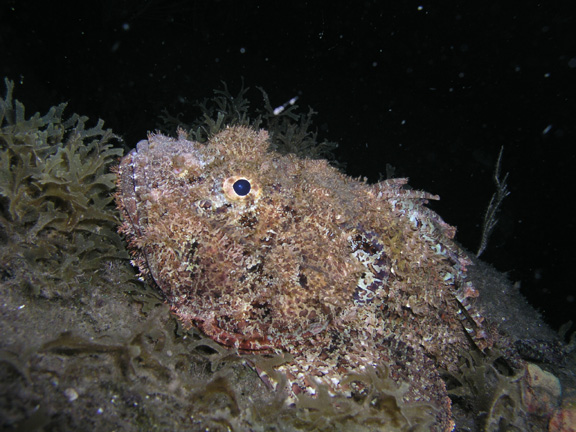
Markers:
<point>56,194</point>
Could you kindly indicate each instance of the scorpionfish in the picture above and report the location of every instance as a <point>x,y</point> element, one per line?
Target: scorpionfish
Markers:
<point>271,253</point>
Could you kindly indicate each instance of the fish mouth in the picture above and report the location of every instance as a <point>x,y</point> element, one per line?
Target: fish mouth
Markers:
<point>253,342</point>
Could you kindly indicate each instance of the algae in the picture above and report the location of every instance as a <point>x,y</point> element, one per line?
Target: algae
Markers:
<point>290,130</point>
<point>56,195</point>
<point>98,351</point>
<point>491,390</point>
<point>85,346</point>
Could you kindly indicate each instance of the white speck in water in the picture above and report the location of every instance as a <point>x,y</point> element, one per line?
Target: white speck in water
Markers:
<point>242,50</point>
<point>281,108</point>
<point>71,394</point>
<point>547,129</point>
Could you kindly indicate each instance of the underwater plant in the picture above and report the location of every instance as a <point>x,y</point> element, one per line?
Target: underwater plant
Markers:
<point>56,192</point>
<point>290,130</point>
<point>490,216</point>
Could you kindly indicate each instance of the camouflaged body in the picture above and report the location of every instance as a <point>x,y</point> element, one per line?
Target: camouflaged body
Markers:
<point>340,274</point>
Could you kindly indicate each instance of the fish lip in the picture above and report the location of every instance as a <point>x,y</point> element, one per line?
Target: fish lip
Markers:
<point>253,343</point>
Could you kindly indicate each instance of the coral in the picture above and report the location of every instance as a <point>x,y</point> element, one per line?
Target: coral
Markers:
<point>56,193</point>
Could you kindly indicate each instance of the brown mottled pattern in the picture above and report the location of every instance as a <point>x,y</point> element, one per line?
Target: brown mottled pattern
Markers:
<point>340,274</point>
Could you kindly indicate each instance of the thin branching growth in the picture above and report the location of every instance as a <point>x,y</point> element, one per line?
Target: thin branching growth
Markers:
<point>291,130</point>
<point>490,217</point>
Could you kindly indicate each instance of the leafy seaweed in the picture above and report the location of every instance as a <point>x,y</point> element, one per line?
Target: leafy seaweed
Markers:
<point>56,192</point>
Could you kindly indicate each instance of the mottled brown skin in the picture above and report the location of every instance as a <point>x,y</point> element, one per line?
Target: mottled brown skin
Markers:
<point>340,274</point>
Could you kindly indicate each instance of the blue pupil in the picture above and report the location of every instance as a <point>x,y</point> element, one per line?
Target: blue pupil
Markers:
<point>241,187</point>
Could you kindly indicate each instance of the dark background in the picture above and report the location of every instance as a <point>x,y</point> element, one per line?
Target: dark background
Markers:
<point>433,88</point>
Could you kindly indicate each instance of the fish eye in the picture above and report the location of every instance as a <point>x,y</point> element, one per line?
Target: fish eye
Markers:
<point>241,187</point>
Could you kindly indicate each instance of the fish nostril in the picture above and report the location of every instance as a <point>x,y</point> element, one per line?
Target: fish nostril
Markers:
<point>204,204</point>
